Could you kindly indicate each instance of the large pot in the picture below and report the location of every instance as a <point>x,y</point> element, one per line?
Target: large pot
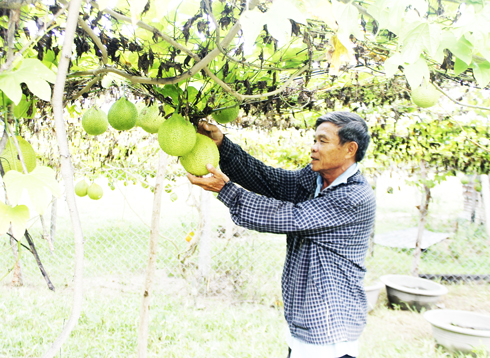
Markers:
<point>372,293</point>
<point>409,292</point>
<point>460,330</point>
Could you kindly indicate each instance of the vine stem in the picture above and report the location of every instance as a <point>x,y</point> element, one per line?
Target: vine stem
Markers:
<point>68,174</point>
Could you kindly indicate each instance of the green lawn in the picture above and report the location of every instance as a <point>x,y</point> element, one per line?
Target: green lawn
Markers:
<point>185,326</point>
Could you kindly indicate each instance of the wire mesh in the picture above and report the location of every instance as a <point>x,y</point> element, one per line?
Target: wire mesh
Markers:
<point>245,265</point>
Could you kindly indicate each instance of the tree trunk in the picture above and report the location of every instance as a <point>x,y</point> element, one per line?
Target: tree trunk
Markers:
<point>485,193</point>
<point>68,175</point>
<point>423,209</point>
<point>152,257</point>
<point>204,261</point>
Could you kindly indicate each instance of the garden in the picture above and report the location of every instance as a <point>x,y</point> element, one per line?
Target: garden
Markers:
<point>107,250</point>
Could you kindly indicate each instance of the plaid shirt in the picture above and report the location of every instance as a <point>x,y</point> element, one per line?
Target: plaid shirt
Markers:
<point>327,240</point>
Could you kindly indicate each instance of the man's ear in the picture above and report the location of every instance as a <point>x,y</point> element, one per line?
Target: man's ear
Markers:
<point>351,149</point>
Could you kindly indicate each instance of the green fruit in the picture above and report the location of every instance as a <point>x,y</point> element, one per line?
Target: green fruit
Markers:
<point>478,187</point>
<point>122,115</point>
<point>10,158</point>
<point>95,191</point>
<point>204,152</point>
<point>176,136</point>
<point>150,119</point>
<point>226,115</point>
<point>81,188</point>
<point>94,121</point>
<point>465,180</point>
<point>426,95</point>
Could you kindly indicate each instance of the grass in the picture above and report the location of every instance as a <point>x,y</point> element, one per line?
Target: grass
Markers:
<point>186,326</point>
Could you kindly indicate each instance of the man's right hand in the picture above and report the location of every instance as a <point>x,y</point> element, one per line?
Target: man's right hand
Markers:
<point>211,131</point>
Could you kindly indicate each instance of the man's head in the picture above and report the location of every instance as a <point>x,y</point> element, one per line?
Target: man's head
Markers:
<point>351,128</point>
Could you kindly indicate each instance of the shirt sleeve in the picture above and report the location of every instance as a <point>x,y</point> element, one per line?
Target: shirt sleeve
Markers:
<point>254,175</point>
<point>311,217</point>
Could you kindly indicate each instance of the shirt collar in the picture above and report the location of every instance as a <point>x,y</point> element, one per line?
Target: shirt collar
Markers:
<point>342,178</point>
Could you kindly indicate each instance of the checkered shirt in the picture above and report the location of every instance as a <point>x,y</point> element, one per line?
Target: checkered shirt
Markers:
<point>327,240</point>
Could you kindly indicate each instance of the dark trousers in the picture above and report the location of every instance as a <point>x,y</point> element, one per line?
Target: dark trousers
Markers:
<point>344,356</point>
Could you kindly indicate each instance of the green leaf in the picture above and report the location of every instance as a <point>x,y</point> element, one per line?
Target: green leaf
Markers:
<point>16,216</point>
<point>416,72</point>
<point>388,14</point>
<point>40,184</point>
<point>481,71</point>
<point>459,66</point>
<point>347,17</point>
<point>414,41</point>
<point>34,74</point>
<point>392,63</point>
<point>462,49</point>
<point>172,91</point>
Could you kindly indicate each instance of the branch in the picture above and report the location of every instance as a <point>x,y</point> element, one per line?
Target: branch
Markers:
<point>38,260</point>
<point>95,39</point>
<point>460,103</point>
<point>85,89</point>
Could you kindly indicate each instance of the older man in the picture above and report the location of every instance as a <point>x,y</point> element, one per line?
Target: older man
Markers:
<point>327,211</point>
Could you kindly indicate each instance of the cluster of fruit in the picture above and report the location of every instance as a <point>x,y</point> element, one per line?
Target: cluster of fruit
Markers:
<point>94,190</point>
<point>176,136</point>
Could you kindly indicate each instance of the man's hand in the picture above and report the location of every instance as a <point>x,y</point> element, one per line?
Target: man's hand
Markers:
<point>211,131</point>
<point>212,183</point>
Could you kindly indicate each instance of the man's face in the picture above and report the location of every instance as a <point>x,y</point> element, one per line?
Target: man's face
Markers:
<point>327,155</point>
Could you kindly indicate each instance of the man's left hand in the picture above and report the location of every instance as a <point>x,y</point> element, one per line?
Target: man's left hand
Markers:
<point>215,182</point>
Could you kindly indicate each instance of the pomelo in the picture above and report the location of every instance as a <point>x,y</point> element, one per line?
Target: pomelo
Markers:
<point>95,191</point>
<point>122,115</point>
<point>426,95</point>
<point>150,119</point>
<point>94,121</point>
<point>176,136</point>
<point>204,152</point>
<point>81,188</point>
<point>226,115</point>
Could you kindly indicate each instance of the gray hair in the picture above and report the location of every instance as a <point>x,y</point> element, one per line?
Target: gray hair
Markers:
<point>352,128</point>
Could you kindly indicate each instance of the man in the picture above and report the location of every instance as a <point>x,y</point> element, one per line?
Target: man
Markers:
<point>327,211</point>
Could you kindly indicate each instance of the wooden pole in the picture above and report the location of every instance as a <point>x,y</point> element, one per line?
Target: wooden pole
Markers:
<point>152,257</point>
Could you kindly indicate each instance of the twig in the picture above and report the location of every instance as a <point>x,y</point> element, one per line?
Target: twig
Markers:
<point>25,247</point>
<point>85,89</point>
<point>460,103</point>
<point>95,39</point>
<point>38,260</point>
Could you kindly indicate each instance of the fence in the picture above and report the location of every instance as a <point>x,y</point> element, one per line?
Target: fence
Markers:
<point>242,264</point>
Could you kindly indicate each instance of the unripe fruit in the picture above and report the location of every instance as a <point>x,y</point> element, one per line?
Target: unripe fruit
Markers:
<point>95,191</point>
<point>204,152</point>
<point>425,96</point>
<point>122,115</point>
<point>226,115</point>
<point>81,188</point>
<point>176,136</point>
<point>150,119</point>
<point>94,121</point>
